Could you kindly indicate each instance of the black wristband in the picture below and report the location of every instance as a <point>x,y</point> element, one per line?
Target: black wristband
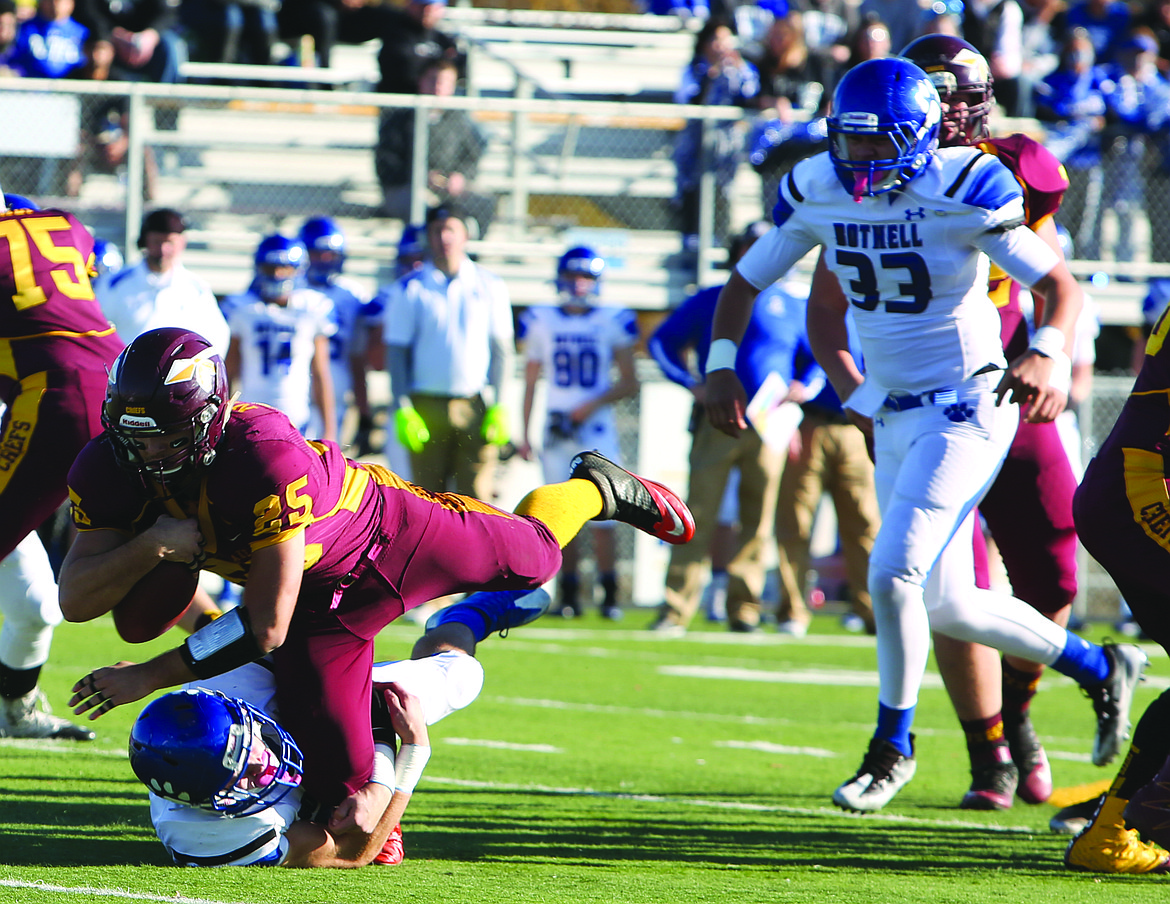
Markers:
<point>225,644</point>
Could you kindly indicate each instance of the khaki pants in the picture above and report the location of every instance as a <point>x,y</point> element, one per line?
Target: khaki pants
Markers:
<point>457,457</point>
<point>833,460</point>
<point>713,455</point>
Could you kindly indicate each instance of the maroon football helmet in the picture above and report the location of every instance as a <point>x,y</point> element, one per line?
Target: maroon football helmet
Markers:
<point>963,79</point>
<point>164,381</point>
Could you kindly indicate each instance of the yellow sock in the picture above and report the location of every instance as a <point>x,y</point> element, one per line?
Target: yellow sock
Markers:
<point>563,507</point>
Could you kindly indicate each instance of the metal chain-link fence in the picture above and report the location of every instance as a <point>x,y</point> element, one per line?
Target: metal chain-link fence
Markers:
<point>243,162</point>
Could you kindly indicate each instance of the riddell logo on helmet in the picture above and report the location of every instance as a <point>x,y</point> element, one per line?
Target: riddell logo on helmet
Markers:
<point>137,423</point>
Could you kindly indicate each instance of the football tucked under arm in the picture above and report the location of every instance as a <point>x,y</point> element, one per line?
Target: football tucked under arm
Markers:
<point>156,603</point>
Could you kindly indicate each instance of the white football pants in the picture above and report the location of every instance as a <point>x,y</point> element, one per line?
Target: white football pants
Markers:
<point>28,599</point>
<point>443,683</point>
<point>934,464</point>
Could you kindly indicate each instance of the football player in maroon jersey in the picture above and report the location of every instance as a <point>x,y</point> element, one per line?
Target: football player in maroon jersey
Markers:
<point>329,550</point>
<point>55,346</point>
<point>1121,510</point>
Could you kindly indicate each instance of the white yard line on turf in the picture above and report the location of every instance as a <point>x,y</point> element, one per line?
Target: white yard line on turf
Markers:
<point>731,805</point>
<point>503,745</point>
<point>107,892</point>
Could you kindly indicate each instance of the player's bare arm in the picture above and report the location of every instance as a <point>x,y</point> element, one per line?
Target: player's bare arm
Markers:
<point>532,370</point>
<point>827,333</point>
<point>323,396</point>
<point>273,584</point>
<point>346,843</point>
<point>103,565</point>
<point>274,581</point>
<point>726,399</point>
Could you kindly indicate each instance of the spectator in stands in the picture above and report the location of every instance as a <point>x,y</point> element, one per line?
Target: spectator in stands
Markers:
<point>995,28</point>
<point>454,147</point>
<point>328,22</point>
<point>1137,103</point>
<point>449,346</point>
<point>871,42</point>
<point>51,44</point>
<point>1106,21</point>
<point>411,40</point>
<point>790,97</point>
<point>716,76</point>
<point>943,17</point>
<point>1157,20</point>
<point>788,85</point>
<point>1071,102</point>
<point>828,26</point>
<point>231,31</point>
<point>133,40</point>
<point>158,290</point>
<point>105,143</point>
<point>8,26</point>
<point>901,18</point>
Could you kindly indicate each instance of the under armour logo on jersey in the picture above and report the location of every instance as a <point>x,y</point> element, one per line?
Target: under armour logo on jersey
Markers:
<point>959,412</point>
<point>919,214</point>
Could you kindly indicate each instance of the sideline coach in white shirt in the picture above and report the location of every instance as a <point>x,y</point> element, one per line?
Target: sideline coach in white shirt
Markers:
<point>449,346</point>
<point>159,291</point>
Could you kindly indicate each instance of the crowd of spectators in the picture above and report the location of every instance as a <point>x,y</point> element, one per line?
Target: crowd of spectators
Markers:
<point>1095,72</point>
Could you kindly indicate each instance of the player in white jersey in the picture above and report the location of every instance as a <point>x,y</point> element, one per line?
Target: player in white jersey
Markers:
<point>576,345</point>
<point>279,355</point>
<point>907,229</point>
<point>354,315</point>
<point>219,797</point>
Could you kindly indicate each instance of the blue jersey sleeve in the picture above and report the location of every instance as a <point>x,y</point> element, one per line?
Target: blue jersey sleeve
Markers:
<point>689,326</point>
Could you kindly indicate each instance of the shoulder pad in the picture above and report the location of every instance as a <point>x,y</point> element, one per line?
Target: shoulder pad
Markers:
<point>984,182</point>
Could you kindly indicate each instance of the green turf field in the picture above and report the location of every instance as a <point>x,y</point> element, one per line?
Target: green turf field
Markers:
<point>602,764</point>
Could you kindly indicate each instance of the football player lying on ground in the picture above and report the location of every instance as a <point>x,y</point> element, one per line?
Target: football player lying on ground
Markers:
<point>329,550</point>
<point>225,777</point>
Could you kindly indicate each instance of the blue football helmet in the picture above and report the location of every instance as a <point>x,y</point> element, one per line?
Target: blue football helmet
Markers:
<point>326,245</point>
<point>278,251</point>
<point>412,250</point>
<point>106,257</point>
<point>19,202</point>
<point>579,261</point>
<point>891,98</point>
<point>196,747</point>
